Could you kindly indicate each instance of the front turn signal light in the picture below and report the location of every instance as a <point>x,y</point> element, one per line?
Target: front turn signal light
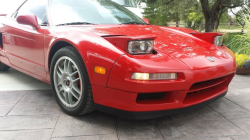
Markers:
<point>100,70</point>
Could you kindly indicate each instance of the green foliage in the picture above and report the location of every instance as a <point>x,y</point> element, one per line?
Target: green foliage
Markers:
<point>235,20</point>
<point>157,14</point>
<point>241,43</point>
<point>224,17</point>
<point>160,12</point>
<point>195,16</point>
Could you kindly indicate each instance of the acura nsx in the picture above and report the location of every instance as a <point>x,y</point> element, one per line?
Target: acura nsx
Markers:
<point>97,55</point>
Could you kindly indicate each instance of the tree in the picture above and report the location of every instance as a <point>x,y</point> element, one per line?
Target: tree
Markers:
<point>161,12</point>
<point>240,16</point>
<point>194,18</point>
<point>213,10</point>
<point>157,11</point>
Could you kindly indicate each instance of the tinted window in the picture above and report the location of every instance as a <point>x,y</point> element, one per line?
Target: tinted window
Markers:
<point>36,7</point>
<point>91,11</point>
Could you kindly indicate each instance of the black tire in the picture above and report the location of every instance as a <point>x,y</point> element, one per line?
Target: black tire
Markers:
<point>86,104</point>
<point>4,67</point>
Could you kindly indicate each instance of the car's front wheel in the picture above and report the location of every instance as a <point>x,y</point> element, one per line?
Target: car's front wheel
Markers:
<point>3,67</point>
<point>70,82</point>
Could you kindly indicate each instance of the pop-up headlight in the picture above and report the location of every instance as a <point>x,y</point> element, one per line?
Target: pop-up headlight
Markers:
<point>218,40</point>
<point>140,47</point>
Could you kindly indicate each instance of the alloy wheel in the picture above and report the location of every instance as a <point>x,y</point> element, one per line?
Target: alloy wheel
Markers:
<point>68,82</point>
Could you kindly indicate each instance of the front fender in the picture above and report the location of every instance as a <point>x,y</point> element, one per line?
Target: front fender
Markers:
<point>94,50</point>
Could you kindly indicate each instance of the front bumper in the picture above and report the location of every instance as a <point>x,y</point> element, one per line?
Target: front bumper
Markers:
<point>193,86</point>
<point>150,114</point>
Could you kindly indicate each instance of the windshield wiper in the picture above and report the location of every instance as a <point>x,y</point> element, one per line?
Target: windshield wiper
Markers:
<point>76,23</point>
<point>132,22</point>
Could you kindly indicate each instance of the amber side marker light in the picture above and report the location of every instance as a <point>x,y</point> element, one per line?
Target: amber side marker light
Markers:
<point>100,70</point>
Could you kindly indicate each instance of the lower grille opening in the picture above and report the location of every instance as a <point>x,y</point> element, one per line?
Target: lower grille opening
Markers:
<point>150,96</point>
<point>194,93</point>
<point>207,89</point>
<point>155,98</point>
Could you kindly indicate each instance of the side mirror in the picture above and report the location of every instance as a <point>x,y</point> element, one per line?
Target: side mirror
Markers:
<point>28,20</point>
<point>146,20</point>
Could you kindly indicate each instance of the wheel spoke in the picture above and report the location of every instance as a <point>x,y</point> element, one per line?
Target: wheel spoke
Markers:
<point>59,84</point>
<point>61,90</point>
<point>68,68</point>
<point>74,95</point>
<point>59,75</point>
<point>65,65</point>
<point>60,69</point>
<point>76,80</point>
<point>70,98</point>
<point>76,89</point>
<point>74,73</point>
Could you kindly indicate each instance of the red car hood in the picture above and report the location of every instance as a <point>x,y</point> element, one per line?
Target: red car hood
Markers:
<point>175,42</point>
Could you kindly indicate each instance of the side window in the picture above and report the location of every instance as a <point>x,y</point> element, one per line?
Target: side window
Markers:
<point>36,7</point>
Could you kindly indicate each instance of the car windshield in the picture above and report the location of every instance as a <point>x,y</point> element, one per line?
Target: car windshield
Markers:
<point>126,3</point>
<point>66,12</point>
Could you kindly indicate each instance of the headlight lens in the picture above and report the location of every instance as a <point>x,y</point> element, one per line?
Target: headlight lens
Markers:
<point>154,76</point>
<point>140,47</point>
<point>218,40</point>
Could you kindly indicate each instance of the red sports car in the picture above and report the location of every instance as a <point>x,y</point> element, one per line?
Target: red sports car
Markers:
<point>97,55</point>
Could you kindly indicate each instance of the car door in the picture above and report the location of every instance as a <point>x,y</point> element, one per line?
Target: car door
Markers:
<point>23,44</point>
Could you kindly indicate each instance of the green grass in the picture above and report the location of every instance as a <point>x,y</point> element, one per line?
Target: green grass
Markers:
<point>228,40</point>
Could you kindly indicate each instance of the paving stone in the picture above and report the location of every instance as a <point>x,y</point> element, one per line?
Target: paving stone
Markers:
<point>239,92</point>
<point>4,109</point>
<point>26,135</point>
<point>95,123</point>
<point>186,129</point>
<point>135,129</point>
<point>243,123</point>
<point>28,122</point>
<point>229,109</point>
<point>243,137</point>
<point>10,97</point>
<point>95,137</point>
<point>216,138</point>
<point>242,79</point>
<point>239,98</point>
<point>241,101</point>
<point>203,138</point>
<point>36,103</point>
<point>202,113</point>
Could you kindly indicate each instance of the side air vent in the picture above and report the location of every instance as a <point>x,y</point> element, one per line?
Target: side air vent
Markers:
<point>1,40</point>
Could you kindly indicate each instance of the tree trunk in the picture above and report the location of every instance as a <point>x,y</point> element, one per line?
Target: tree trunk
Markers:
<point>211,15</point>
<point>218,19</point>
<point>210,23</point>
<point>177,23</point>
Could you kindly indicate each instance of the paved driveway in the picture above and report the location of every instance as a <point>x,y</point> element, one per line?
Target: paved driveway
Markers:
<point>15,80</point>
<point>34,115</point>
